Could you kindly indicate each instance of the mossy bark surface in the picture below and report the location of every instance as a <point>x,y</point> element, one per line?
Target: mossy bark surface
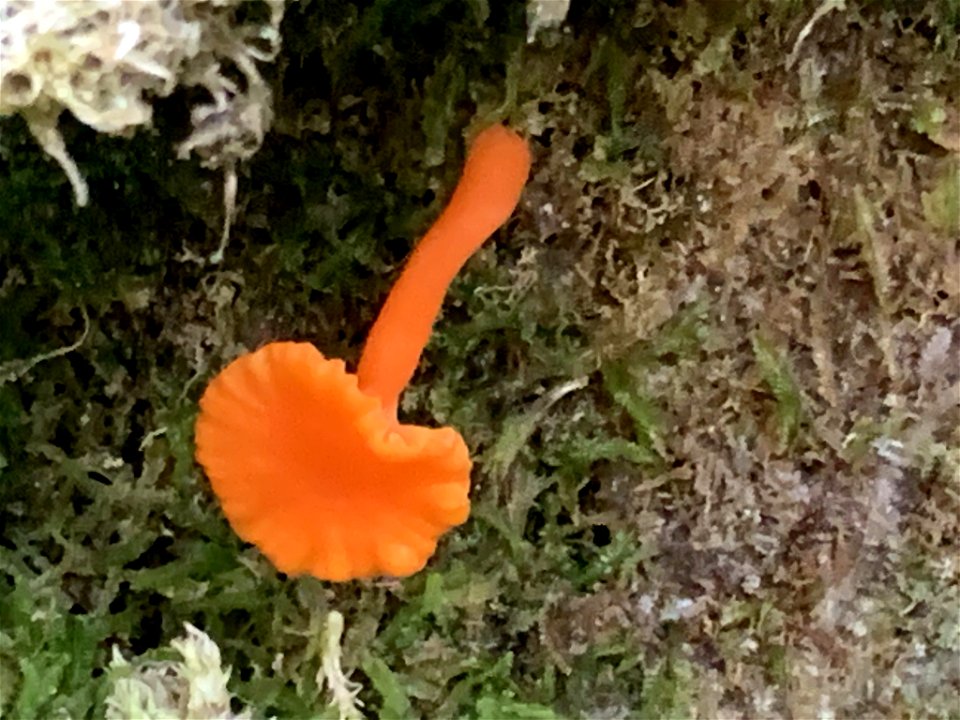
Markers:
<point>708,372</point>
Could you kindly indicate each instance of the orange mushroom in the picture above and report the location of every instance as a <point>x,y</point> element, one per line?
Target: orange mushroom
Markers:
<point>309,461</point>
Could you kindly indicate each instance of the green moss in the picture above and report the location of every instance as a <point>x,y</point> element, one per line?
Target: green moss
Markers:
<point>668,690</point>
<point>941,205</point>
<point>778,377</point>
<point>601,357</point>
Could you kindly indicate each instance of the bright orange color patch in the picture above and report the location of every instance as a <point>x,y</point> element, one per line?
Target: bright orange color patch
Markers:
<point>309,461</point>
<point>495,172</point>
<point>312,471</point>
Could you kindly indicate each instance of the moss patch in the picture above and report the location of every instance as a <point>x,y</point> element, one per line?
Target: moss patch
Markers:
<point>707,372</point>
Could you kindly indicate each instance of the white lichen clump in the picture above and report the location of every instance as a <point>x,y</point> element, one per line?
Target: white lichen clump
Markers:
<point>544,14</point>
<point>192,689</point>
<point>107,60</point>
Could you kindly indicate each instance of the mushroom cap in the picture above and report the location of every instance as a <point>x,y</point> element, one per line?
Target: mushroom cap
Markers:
<point>318,475</point>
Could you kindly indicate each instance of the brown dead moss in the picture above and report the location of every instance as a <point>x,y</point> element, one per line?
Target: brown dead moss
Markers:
<point>791,206</point>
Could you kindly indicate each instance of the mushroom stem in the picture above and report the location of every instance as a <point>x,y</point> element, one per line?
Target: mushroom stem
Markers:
<point>494,174</point>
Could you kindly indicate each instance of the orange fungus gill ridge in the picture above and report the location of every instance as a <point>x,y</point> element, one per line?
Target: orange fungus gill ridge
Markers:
<point>309,461</point>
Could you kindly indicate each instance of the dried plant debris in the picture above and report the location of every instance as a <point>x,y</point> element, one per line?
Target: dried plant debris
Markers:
<point>106,62</point>
<point>708,373</point>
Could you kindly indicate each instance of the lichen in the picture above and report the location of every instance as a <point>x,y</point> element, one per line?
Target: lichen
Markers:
<point>106,62</point>
<point>193,688</point>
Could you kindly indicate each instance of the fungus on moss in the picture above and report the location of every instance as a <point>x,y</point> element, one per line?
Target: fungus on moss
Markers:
<point>309,461</point>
